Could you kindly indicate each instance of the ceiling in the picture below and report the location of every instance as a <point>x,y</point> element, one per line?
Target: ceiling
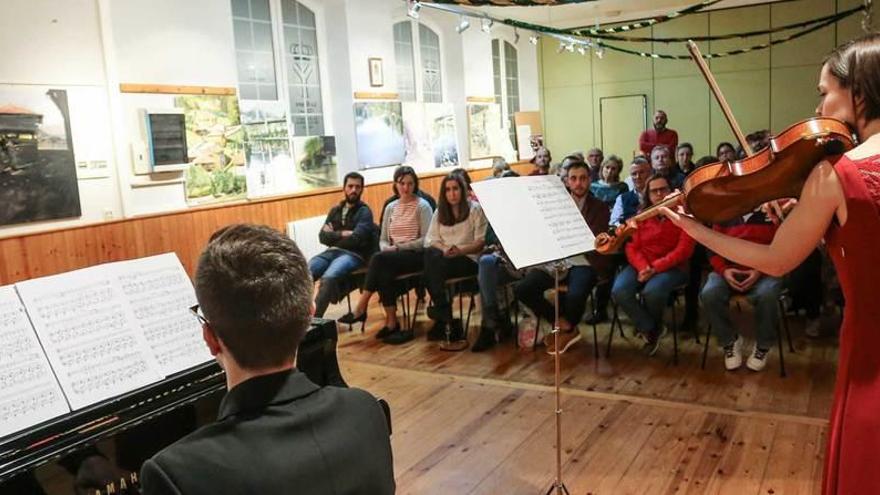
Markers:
<point>603,11</point>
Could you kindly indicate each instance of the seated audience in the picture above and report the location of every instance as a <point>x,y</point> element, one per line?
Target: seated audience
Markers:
<point>455,239</point>
<point>541,160</point>
<point>494,270</point>
<point>594,159</point>
<point>581,271</point>
<point>725,152</point>
<point>661,162</point>
<point>609,187</point>
<point>658,258</point>
<point>254,291</point>
<point>684,156</point>
<point>348,231</point>
<point>467,182</point>
<point>706,160</point>
<point>660,134</point>
<point>762,291</point>
<point>394,196</point>
<point>499,166</point>
<point>401,243</point>
<point>627,204</point>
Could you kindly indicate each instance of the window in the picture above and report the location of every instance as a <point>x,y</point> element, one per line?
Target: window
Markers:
<point>403,58</point>
<point>417,48</point>
<point>297,60</point>
<point>505,75</point>
<point>252,28</point>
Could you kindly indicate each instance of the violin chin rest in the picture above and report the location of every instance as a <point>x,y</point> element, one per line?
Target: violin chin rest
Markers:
<point>834,147</point>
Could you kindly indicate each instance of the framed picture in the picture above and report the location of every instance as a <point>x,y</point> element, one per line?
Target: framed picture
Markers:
<point>376,76</point>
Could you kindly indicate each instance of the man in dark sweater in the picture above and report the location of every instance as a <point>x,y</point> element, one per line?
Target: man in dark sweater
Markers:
<point>349,232</point>
<point>276,432</point>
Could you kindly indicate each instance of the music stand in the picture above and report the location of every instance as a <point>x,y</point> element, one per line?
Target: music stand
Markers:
<point>546,228</point>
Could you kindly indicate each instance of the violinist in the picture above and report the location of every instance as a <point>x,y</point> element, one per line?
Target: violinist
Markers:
<point>839,202</point>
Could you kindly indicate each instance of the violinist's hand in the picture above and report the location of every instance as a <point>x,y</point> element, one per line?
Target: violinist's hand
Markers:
<point>777,210</point>
<point>681,219</point>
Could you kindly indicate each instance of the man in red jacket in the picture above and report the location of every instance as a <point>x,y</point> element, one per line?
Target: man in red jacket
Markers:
<point>658,135</point>
<point>762,291</point>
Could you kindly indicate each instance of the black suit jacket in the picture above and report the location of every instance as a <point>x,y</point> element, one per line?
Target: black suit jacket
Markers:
<point>281,434</point>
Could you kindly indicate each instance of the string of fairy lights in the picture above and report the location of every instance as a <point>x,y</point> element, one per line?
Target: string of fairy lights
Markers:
<point>596,39</point>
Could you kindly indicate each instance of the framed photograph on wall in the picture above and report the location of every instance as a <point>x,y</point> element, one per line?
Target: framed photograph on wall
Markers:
<point>376,76</point>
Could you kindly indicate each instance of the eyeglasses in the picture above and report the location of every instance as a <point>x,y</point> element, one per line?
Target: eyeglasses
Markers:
<point>659,190</point>
<point>194,309</point>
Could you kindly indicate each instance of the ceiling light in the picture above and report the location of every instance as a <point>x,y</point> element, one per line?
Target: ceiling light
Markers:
<point>600,51</point>
<point>533,39</point>
<point>486,25</point>
<point>582,50</point>
<point>463,24</point>
<point>414,7</point>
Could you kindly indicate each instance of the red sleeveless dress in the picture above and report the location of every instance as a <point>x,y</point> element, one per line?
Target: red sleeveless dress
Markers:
<point>852,460</point>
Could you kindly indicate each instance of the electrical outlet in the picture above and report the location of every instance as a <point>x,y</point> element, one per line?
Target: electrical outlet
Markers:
<point>108,214</point>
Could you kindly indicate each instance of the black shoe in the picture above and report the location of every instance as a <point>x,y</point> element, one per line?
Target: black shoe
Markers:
<point>399,337</point>
<point>385,331</point>
<point>439,312</point>
<point>437,332</point>
<point>350,318</point>
<point>485,340</point>
<point>597,317</point>
<point>456,332</point>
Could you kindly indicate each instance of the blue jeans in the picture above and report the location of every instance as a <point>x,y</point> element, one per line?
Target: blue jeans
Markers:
<point>331,266</point>
<point>648,315</point>
<point>580,281</point>
<point>490,274</point>
<point>763,296</point>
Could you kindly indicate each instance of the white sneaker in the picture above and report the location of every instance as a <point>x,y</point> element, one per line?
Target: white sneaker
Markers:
<point>733,358</point>
<point>758,359</point>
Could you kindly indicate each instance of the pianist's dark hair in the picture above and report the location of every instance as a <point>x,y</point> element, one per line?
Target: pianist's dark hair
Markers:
<point>255,290</point>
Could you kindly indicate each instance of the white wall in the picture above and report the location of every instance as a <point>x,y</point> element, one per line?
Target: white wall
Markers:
<point>97,44</point>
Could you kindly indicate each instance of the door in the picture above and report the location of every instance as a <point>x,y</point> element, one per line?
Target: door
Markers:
<point>622,120</point>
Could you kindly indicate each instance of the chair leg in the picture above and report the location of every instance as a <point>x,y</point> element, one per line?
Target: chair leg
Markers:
<point>415,314</point>
<point>706,344</point>
<point>595,342</point>
<point>614,321</point>
<point>674,335</point>
<point>785,326</point>
<point>467,324</point>
<point>351,325</point>
<point>781,351</point>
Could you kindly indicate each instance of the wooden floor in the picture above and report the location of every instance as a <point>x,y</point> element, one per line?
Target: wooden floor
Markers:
<point>484,424</point>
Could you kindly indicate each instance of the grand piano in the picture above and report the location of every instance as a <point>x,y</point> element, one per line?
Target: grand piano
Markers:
<point>141,422</point>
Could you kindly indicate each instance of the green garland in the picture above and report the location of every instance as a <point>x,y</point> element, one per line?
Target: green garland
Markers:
<point>738,51</point>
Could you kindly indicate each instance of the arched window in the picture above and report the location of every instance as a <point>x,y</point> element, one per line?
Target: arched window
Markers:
<point>417,48</point>
<point>505,74</point>
<point>258,62</point>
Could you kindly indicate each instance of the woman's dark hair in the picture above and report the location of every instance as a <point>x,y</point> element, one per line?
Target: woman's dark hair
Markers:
<point>445,215</point>
<point>855,64</point>
<point>464,175</point>
<point>401,171</point>
<point>646,195</point>
<point>723,144</point>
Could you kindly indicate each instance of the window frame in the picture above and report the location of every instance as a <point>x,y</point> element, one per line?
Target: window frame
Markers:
<point>503,78</point>
<point>418,67</point>
<point>282,82</point>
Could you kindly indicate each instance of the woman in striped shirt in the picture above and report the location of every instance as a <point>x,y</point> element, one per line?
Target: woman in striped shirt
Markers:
<point>404,226</point>
<point>455,239</point>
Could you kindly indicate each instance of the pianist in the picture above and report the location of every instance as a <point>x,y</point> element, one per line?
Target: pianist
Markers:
<point>276,431</point>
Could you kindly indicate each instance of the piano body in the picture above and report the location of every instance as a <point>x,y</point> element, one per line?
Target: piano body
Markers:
<point>142,421</point>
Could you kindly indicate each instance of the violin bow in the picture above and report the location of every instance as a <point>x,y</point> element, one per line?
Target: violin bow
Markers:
<point>694,51</point>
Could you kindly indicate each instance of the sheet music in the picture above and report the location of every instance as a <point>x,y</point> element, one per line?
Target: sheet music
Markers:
<point>535,218</point>
<point>160,294</point>
<point>29,393</point>
<point>89,333</point>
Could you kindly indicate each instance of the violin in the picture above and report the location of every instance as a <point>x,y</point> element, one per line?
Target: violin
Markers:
<point>720,192</point>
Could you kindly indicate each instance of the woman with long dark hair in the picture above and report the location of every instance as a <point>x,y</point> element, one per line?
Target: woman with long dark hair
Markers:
<point>404,226</point>
<point>455,239</point>
<point>840,203</point>
<point>658,262</point>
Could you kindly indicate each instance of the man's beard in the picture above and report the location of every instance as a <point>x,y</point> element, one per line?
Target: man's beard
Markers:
<point>352,198</point>
<point>659,127</point>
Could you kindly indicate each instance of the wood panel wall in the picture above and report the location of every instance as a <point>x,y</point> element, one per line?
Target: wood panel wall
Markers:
<point>184,232</point>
